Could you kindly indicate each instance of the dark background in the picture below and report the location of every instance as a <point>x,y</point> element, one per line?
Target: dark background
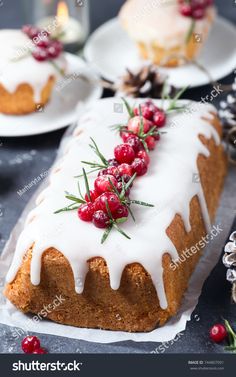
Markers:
<point>23,159</point>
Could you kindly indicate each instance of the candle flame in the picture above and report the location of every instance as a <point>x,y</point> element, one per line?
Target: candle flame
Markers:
<point>62,12</point>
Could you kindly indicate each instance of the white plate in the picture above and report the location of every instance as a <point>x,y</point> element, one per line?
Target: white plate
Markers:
<point>61,110</point>
<point>110,51</point>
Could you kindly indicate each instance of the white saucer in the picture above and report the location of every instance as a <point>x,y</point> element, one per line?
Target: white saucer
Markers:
<point>61,110</point>
<point>110,52</point>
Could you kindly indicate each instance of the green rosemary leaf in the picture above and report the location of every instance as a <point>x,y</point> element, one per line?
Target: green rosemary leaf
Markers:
<point>117,127</point>
<point>190,31</point>
<point>121,231</point>
<point>141,122</point>
<point>98,153</point>
<point>145,146</point>
<point>131,213</point>
<point>75,199</point>
<point>86,184</point>
<point>141,203</point>
<point>108,210</point>
<point>88,172</point>
<point>172,105</point>
<point>121,220</point>
<point>128,184</point>
<point>106,234</point>
<point>66,209</point>
<point>114,187</point>
<point>150,132</point>
<point>128,108</point>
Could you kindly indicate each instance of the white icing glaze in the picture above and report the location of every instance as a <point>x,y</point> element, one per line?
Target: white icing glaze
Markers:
<point>159,21</point>
<point>168,185</point>
<point>14,44</point>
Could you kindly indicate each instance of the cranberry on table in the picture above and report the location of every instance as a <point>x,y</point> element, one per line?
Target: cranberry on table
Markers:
<point>124,153</point>
<point>113,162</point>
<point>40,54</point>
<point>125,169</point>
<point>146,111</point>
<point>101,219</point>
<point>218,333</point>
<point>108,198</point>
<point>30,343</point>
<point>103,183</point>
<point>151,142</point>
<point>159,118</point>
<point>86,211</point>
<point>134,125</point>
<point>144,155</point>
<point>93,196</point>
<point>139,166</point>
<point>134,142</point>
<point>121,212</point>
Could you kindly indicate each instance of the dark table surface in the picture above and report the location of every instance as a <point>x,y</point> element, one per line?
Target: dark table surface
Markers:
<point>23,159</point>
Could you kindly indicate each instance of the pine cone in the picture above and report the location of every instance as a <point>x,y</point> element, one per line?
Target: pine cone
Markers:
<point>148,82</point>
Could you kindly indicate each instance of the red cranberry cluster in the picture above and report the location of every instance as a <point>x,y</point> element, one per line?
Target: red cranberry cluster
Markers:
<point>195,9</point>
<point>109,200</point>
<point>45,47</point>
<point>31,344</point>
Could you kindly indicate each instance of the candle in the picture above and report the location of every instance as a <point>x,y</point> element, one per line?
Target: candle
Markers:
<point>67,29</point>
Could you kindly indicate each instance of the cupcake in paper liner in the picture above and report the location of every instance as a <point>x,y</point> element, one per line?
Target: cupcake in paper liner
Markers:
<point>168,32</point>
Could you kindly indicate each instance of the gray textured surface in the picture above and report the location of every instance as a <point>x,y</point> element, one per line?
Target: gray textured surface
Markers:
<point>23,159</point>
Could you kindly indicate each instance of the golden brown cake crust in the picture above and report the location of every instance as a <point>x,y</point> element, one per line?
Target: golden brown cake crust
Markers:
<point>134,306</point>
<point>22,100</point>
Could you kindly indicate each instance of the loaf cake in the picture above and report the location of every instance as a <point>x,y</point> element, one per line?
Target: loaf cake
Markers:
<point>123,284</point>
<point>28,70</point>
<point>168,33</point>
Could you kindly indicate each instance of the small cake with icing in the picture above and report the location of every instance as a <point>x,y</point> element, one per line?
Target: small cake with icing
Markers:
<point>168,33</point>
<point>30,64</point>
<point>165,169</point>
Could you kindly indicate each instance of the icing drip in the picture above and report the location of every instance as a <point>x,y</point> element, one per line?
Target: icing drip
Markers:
<point>168,185</point>
<point>26,69</point>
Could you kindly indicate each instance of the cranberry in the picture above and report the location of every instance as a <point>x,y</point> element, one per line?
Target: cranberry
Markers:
<point>144,155</point>
<point>113,170</point>
<point>159,118</point>
<point>93,196</point>
<point>218,333</point>
<point>124,153</point>
<point>125,169</point>
<point>113,162</point>
<point>102,183</point>
<point>151,142</point>
<point>30,343</point>
<point>135,142</point>
<point>121,212</point>
<point>86,211</point>
<point>40,351</point>
<point>43,43</point>
<point>33,32</point>
<point>52,52</point>
<point>135,124</point>
<point>146,110</point>
<point>124,135</point>
<point>107,197</point>
<point>40,55</point>
<point>26,29</point>
<point>156,136</point>
<point>198,14</point>
<point>186,10</point>
<point>139,166</point>
<point>101,219</point>
<point>120,188</point>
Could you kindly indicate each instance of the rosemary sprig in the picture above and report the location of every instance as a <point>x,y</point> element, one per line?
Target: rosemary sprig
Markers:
<point>190,31</point>
<point>113,223</point>
<point>95,166</point>
<point>128,108</point>
<point>173,103</point>
<point>232,337</point>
